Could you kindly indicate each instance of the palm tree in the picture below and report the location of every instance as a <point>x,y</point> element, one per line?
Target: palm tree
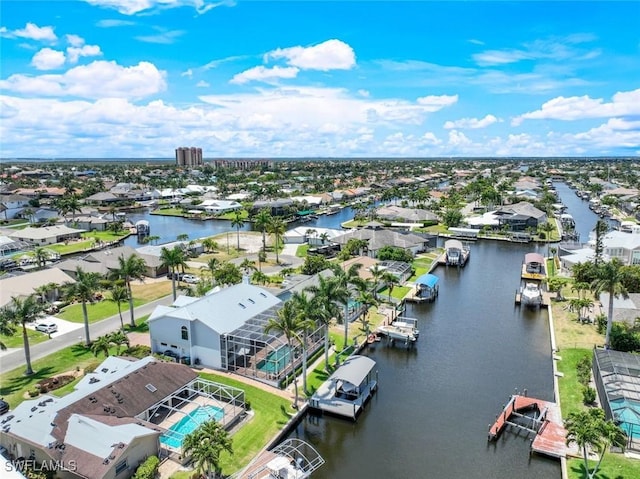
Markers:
<point>118,338</point>
<point>610,280</point>
<point>130,269</point>
<point>172,259</point>
<point>209,244</point>
<point>261,221</point>
<point>41,255</point>
<point>390,281</point>
<point>182,237</point>
<point>327,295</point>
<point>324,237</point>
<point>73,206</point>
<point>308,316</point>
<point>277,229</point>
<point>119,295</point>
<point>7,328</point>
<point>237,222</point>
<point>367,300</point>
<point>204,446</point>
<point>346,280</point>
<point>21,311</point>
<point>212,266</point>
<point>101,345</point>
<point>376,273</point>
<point>590,431</point>
<point>288,323</point>
<point>247,266</point>
<point>84,289</point>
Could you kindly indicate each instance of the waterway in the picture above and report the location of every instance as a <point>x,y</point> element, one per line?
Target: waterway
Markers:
<point>169,227</point>
<point>431,413</point>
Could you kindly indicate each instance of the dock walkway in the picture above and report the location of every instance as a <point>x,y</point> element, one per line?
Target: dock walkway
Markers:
<point>546,424</point>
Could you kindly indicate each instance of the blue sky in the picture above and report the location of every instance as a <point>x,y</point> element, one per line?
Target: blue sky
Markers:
<point>138,78</point>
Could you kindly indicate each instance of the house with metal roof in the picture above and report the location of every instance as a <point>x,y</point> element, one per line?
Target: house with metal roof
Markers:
<point>46,235</point>
<point>226,330</point>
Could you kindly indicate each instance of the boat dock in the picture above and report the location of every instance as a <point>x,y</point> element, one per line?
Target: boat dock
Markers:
<point>348,388</point>
<point>536,416</point>
<point>402,330</point>
<point>546,298</point>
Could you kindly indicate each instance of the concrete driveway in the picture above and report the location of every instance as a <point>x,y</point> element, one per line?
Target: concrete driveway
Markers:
<point>63,325</point>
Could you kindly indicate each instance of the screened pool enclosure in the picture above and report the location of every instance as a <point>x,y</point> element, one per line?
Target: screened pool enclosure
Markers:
<point>251,352</point>
<point>617,378</point>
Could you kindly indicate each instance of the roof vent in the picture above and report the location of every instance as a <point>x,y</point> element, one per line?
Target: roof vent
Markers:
<point>263,295</point>
<point>151,387</point>
<point>242,306</point>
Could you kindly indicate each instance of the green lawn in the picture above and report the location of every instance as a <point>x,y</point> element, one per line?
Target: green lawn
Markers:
<point>398,292</point>
<point>15,341</point>
<point>244,215</point>
<point>96,311</point>
<point>89,241</point>
<point>168,212</point>
<point>301,252</point>
<point>14,384</point>
<point>271,414</point>
<point>570,389</point>
<point>614,466</point>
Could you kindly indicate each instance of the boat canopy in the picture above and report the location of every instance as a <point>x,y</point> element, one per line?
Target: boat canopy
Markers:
<point>429,280</point>
<point>533,258</point>
<point>453,244</point>
<point>354,370</point>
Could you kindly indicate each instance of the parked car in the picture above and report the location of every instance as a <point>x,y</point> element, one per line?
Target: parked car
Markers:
<point>171,353</point>
<point>176,276</point>
<point>4,406</point>
<point>47,327</point>
<point>190,278</point>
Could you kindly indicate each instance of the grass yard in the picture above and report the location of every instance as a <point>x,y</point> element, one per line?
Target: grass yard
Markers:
<point>398,292</point>
<point>570,389</point>
<point>244,215</point>
<point>14,384</point>
<point>96,311</point>
<point>15,341</point>
<point>614,466</point>
<point>271,414</point>
<point>301,252</point>
<point>150,291</point>
<point>168,212</point>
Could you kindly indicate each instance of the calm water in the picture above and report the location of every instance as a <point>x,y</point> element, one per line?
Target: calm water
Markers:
<point>169,227</point>
<point>431,414</point>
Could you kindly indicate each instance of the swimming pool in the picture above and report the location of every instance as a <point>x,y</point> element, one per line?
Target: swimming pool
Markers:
<point>628,413</point>
<point>275,361</point>
<point>189,423</point>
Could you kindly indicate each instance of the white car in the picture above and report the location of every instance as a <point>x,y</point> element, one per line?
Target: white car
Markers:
<point>47,327</point>
<point>190,278</point>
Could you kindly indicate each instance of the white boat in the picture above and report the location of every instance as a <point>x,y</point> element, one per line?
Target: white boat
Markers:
<point>531,295</point>
<point>403,329</point>
<point>455,253</point>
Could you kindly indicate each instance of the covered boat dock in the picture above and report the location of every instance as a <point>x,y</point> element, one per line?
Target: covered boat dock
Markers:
<point>348,388</point>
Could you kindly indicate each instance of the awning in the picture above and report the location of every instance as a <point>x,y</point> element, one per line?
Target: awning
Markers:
<point>354,370</point>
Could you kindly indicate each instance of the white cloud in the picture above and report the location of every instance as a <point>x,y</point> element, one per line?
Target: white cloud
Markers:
<point>614,134</point>
<point>580,107</point>
<point>99,79</point>
<point>187,73</point>
<point>472,123</point>
<point>328,55</point>
<point>163,38</point>
<point>202,84</point>
<point>131,7</point>
<point>74,53</point>
<point>363,93</point>
<point>110,23</point>
<point>48,59</point>
<point>264,74</point>
<point>435,103</point>
<point>74,40</point>
<point>31,31</point>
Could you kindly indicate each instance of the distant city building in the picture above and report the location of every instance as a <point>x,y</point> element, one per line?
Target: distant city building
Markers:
<point>242,164</point>
<point>188,156</point>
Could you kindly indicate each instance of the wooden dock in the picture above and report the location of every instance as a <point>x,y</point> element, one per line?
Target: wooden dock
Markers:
<point>535,416</point>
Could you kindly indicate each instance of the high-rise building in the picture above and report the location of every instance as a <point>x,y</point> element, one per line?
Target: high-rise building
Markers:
<point>188,156</point>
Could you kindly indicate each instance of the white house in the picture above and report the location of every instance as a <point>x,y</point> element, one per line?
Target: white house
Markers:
<point>624,246</point>
<point>218,207</point>
<point>46,235</point>
<point>13,204</point>
<point>198,329</point>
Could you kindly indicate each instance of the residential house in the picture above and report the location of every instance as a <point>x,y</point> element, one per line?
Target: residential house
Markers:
<point>13,205</point>
<point>103,429</point>
<point>520,216</point>
<point>624,246</point>
<point>47,235</point>
<point>24,285</point>
<point>405,215</point>
<point>378,237</point>
<point>111,259</point>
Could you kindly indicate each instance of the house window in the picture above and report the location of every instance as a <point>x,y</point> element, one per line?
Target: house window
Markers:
<point>184,333</point>
<point>121,466</point>
<point>635,258</point>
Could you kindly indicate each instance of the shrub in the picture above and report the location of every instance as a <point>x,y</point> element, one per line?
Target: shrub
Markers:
<point>588,395</point>
<point>33,393</point>
<point>91,367</point>
<point>584,370</point>
<point>51,384</point>
<point>148,469</point>
<point>138,351</point>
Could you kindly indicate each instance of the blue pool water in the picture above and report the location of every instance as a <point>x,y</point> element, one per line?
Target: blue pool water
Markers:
<point>628,412</point>
<point>190,423</point>
<point>275,361</point>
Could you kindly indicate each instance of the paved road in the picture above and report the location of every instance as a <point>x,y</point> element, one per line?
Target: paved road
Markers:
<point>15,358</point>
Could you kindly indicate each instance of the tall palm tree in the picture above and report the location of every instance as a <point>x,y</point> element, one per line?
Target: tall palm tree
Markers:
<point>261,221</point>
<point>172,259</point>
<point>73,206</point>
<point>390,281</point>
<point>347,280</point>
<point>41,255</point>
<point>327,295</point>
<point>119,295</point>
<point>84,290</point>
<point>308,315</point>
<point>182,237</point>
<point>237,222</point>
<point>609,279</point>
<point>130,269</point>
<point>277,229</point>
<point>288,323</point>
<point>204,446</point>
<point>376,277</point>
<point>7,328</point>
<point>21,311</point>
<point>367,300</point>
